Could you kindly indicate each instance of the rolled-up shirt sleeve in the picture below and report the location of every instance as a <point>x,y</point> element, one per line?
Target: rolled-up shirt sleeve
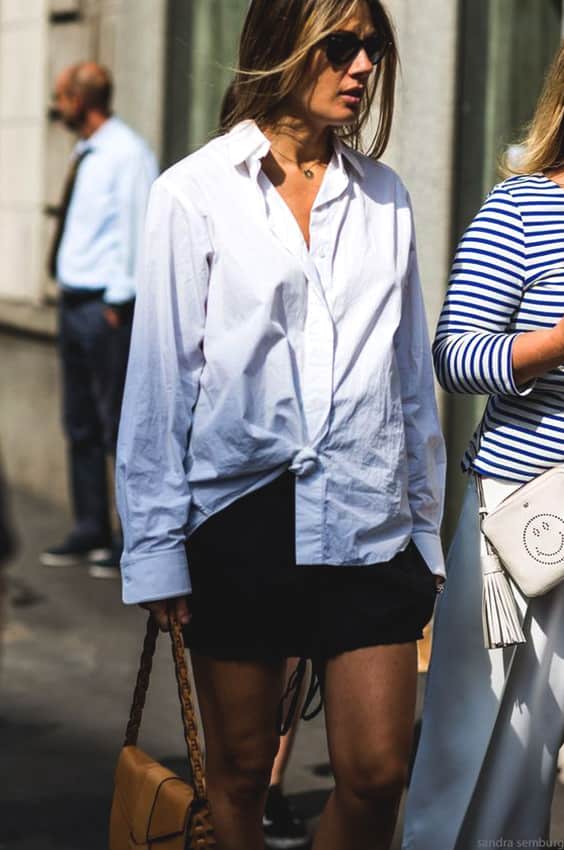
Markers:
<point>163,375</point>
<point>424,441</point>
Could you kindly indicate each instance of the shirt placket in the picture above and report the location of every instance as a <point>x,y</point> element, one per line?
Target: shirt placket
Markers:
<point>317,390</point>
<point>319,330</point>
<point>320,334</point>
<point>318,354</point>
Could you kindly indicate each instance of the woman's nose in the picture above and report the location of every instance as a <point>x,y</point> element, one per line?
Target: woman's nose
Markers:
<point>361,64</point>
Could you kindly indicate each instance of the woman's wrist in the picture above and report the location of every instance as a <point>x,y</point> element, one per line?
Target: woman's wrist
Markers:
<point>557,333</point>
<point>164,608</point>
<point>537,352</point>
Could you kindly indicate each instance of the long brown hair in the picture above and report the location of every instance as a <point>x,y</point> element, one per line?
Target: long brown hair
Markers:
<point>543,145</point>
<point>275,48</point>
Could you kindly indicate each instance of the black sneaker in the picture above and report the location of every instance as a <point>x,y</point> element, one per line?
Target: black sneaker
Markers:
<point>107,567</point>
<point>74,550</point>
<point>282,827</point>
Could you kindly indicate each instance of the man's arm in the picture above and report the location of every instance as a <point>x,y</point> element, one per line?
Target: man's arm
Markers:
<point>134,181</point>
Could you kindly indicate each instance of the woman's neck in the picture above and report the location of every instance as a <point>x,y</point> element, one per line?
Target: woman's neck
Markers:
<point>556,174</point>
<point>300,142</point>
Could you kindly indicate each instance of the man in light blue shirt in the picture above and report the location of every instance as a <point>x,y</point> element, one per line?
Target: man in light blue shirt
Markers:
<point>94,259</point>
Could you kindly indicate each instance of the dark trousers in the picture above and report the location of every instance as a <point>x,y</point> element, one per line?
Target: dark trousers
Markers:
<point>94,360</point>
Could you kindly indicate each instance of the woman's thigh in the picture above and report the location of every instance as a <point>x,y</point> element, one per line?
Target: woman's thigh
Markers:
<point>239,703</point>
<point>370,706</point>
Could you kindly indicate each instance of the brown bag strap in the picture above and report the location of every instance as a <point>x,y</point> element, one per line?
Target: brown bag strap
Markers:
<point>188,713</point>
<point>142,683</point>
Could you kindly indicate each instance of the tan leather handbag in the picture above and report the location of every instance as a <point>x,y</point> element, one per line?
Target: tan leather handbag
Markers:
<point>152,806</point>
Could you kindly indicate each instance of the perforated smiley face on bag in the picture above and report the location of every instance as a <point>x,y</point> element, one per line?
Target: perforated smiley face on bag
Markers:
<point>543,537</point>
<point>526,531</point>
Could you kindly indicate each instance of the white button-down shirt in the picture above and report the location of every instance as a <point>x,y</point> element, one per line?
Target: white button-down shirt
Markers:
<point>252,353</point>
<point>104,224</point>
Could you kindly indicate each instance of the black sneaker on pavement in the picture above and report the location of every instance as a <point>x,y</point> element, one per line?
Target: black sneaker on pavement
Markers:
<point>74,550</point>
<point>283,829</point>
<point>107,567</point>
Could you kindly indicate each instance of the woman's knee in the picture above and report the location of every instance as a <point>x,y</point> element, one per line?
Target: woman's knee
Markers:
<point>370,779</point>
<point>244,770</point>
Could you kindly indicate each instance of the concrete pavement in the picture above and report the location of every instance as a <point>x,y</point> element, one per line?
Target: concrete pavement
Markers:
<point>68,667</point>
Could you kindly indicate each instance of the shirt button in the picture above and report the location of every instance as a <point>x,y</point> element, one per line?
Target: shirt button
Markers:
<point>322,252</point>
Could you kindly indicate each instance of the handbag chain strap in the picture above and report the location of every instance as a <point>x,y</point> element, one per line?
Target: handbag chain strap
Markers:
<point>188,712</point>
<point>184,692</point>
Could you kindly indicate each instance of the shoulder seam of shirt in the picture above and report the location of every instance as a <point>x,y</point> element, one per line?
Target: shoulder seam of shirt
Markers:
<point>180,196</point>
<point>517,206</point>
<point>503,189</point>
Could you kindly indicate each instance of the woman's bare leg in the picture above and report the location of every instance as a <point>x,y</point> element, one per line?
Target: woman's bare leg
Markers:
<point>369,707</point>
<point>287,740</point>
<point>238,702</point>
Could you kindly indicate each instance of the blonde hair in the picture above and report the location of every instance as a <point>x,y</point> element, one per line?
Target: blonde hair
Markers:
<point>543,144</point>
<point>275,48</point>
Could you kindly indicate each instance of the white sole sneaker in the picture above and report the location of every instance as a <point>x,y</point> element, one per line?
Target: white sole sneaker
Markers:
<point>282,843</point>
<point>101,571</point>
<point>50,559</point>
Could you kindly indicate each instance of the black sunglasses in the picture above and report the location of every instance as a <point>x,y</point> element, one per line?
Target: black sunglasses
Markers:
<point>342,47</point>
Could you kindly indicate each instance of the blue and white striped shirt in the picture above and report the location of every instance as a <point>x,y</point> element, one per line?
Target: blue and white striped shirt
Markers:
<point>507,278</point>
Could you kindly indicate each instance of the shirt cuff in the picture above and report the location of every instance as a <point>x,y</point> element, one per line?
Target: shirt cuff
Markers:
<point>512,388</point>
<point>431,550</point>
<point>159,575</point>
<point>119,293</point>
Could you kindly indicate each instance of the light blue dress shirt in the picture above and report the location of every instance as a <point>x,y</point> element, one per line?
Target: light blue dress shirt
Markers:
<point>104,225</point>
<point>253,353</point>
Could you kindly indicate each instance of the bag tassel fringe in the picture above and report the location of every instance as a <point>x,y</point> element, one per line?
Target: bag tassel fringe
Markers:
<point>500,619</point>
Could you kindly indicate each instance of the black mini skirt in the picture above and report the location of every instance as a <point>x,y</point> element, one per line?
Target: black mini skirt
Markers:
<point>250,601</point>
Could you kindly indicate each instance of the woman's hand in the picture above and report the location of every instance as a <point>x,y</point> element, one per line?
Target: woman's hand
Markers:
<point>112,317</point>
<point>537,352</point>
<point>178,607</point>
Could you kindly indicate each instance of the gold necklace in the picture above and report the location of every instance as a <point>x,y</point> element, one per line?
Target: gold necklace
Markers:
<point>308,173</point>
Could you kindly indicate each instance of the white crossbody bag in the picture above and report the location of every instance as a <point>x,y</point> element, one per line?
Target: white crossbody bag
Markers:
<point>525,532</point>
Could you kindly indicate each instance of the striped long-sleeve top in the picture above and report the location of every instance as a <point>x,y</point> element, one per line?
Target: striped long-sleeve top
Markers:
<point>507,278</point>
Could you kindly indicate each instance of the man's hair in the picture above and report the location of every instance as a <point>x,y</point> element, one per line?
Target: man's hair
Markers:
<point>94,84</point>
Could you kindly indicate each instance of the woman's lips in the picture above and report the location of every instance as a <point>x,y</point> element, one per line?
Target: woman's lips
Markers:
<point>352,98</point>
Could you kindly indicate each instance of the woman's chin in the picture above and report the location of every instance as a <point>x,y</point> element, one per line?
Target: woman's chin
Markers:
<point>342,119</point>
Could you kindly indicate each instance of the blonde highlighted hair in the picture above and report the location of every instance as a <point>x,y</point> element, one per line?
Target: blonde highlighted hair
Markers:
<point>543,144</point>
<point>275,48</point>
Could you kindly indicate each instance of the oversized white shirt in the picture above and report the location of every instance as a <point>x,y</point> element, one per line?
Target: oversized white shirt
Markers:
<point>252,354</point>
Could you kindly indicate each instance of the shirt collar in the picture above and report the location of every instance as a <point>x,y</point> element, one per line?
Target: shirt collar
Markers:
<point>249,145</point>
<point>97,139</point>
<point>343,152</point>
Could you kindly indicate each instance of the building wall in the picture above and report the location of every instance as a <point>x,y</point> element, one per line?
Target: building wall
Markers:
<point>23,36</point>
<point>422,143</point>
<point>129,36</point>
<point>139,66</point>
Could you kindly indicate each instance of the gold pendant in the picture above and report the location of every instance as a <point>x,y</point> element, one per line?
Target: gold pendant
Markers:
<point>309,174</point>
